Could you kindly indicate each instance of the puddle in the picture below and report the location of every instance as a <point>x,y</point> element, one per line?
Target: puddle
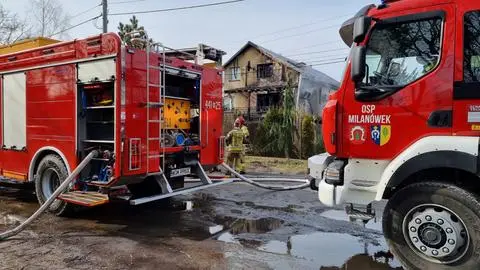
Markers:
<point>320,249</point>
<point>257,226</point>
<point>9,220</point>
<point>333,250</point>
<point>374,224</point>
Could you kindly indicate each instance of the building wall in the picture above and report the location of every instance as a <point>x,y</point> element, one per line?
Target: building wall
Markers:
<point>281,73</point>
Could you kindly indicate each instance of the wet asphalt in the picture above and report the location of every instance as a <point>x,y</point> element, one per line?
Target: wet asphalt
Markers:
<point>238,226</point>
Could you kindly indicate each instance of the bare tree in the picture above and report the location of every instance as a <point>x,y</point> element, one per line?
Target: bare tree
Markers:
<point>12,28</point>
<point>49,19</point>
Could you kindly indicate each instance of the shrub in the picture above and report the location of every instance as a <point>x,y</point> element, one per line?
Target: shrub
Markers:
<point>276,134</point>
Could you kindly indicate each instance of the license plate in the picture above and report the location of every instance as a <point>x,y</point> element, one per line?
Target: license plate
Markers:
<point>180,172</point>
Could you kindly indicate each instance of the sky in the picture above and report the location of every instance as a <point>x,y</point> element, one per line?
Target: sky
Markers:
<point>304,30</point>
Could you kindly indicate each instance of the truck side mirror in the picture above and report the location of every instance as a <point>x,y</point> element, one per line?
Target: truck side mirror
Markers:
<point>360,28</point>
<point>359,54</point>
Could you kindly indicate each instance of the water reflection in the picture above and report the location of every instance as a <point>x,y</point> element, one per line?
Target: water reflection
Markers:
<point>318,249</point>
<point>341,215</point>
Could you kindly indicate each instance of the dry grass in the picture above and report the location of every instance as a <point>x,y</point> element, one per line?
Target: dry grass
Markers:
<point>275,165</point>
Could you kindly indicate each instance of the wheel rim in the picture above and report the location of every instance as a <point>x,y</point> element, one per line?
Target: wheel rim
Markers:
<point>50,182</point>
<point>436,233</point>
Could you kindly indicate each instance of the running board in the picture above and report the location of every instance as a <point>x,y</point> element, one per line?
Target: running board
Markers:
<point>177,192</point>
<point>84,198</point>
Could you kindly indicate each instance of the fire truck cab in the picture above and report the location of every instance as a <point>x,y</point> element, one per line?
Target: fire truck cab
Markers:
<point>155,119</point>
<point>405,125</point>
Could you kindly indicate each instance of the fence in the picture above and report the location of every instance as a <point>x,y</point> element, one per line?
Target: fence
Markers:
<point>300,144</point>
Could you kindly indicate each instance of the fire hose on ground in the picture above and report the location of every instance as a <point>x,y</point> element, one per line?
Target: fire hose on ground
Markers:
<point>65,184</point>
<point>272,187</point>
<point>52,198</point>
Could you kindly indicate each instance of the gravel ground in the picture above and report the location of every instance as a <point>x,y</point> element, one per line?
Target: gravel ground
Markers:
<point>233,226</point>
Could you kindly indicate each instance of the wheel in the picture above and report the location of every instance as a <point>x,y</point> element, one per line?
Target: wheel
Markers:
<point>50,173</point>
<point>434,226</point>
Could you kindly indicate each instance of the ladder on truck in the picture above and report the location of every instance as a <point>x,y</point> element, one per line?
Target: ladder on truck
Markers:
<point>157,89</point>
<point>161,178</point>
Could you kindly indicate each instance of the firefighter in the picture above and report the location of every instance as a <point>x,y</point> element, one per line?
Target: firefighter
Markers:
<point>235,147</point>
<point>246,137</point>
<point>243,127</point>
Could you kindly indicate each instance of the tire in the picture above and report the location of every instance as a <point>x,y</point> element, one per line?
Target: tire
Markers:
<point>51,171</point>
<point>411,224</point>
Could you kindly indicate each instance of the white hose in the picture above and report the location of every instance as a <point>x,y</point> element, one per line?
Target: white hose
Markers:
<point>52,198</point>
<point>273,187</point>
<point>284,180</point>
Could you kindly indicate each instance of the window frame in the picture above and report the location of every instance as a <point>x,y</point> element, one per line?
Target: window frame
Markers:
<point>438,14</point>
<point>264,70</point>
<point>238,77</point>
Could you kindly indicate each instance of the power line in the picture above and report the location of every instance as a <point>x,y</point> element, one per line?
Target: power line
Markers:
<point>125,2</point>
<point>324,51</point>
<point>322,59</point>
<point>76,25</point>
<point>319,44</point>
<point>343,56</point>
<point>326,60</point>
<point>177,8</point>
<point>323,56</point>
<point>85,11</point>
<point>302,25</point>
<point>301,34</point>
<point>327,63</point>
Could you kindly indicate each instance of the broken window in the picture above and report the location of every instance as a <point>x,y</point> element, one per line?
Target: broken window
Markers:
<point>268,101</point>
<point>264,71</point>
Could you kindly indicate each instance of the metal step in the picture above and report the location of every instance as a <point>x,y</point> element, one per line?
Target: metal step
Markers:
<point>360,214</point>
<point>176,192</point>
<point>84,198</point>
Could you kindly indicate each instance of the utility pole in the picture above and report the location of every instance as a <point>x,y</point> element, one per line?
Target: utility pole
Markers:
<point>105,16</point>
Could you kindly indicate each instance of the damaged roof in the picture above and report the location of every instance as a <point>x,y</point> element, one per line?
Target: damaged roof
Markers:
<point>295,65</point>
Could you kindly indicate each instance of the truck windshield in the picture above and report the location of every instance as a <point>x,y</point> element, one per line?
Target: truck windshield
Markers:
<point>399,54</point>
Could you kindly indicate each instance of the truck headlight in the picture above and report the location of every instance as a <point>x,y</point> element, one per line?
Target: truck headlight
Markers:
<point>334,173</point>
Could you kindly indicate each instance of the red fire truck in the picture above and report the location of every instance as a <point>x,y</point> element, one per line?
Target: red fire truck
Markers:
<point>405,125</point>
<point>153,118</point>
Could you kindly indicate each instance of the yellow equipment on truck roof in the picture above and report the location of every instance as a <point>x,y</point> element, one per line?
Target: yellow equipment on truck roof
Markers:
<point>26,44</point>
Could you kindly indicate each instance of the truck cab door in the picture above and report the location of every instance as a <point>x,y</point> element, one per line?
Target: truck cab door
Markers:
<point>407,92</point>
<point>466,94</point>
